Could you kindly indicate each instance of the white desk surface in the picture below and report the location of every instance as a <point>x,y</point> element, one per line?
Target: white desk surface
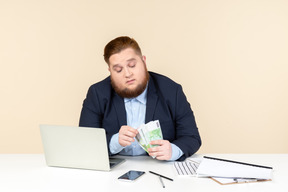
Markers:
<point>28,172</point>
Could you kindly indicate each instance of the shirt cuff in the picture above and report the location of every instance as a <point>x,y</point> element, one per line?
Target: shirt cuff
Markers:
<point>176,152</point>
<point>114,145</point>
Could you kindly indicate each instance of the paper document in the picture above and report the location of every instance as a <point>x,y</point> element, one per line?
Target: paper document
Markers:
<point>231,169</point>
<point>186,168</point>
<point>149,132</point>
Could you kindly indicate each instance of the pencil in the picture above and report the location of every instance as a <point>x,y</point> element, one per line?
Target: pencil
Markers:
<point>161,182</point>
<point>161,175</point>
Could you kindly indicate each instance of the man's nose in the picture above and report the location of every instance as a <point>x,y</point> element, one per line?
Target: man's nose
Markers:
<point>128,73</point>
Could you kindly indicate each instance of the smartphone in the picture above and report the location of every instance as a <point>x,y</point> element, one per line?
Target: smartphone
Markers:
<point>131,175</point>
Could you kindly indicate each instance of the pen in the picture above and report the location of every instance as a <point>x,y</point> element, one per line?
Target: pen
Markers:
<point>161,182</point>
<point>161,175</point>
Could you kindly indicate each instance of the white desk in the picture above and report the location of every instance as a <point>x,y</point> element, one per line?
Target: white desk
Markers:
<point>25,172</point>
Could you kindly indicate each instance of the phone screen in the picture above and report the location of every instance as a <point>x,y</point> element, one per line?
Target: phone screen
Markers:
<point>131,175</point>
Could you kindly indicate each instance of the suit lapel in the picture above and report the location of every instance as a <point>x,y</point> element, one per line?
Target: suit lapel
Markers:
<point>118,103</point>
<point>152,99</point>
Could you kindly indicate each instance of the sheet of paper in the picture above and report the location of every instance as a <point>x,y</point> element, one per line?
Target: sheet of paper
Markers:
<point>186,168</point>
<point>216,168</point>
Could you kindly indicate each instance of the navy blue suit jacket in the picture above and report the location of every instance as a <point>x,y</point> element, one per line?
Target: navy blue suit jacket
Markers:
<point>166,102</point>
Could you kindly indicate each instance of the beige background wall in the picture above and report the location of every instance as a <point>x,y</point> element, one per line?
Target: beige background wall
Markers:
<point>231,56</point>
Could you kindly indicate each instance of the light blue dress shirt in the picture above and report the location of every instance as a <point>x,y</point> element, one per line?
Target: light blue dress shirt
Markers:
<point>135,113</point>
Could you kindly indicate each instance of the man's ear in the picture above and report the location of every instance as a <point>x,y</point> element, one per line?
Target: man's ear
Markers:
<point>144,59</point>
<point>109,68</point>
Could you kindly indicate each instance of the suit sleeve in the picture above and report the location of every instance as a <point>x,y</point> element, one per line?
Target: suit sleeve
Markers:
<point>90,113</point>
<point>187,135</point>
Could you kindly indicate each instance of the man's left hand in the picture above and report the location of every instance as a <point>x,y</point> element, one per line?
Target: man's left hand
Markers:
<point>163,151</point>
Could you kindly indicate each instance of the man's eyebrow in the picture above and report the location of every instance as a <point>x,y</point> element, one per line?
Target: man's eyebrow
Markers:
<point>132,59</point>
<point>116,65</point>
<point>119,65</point>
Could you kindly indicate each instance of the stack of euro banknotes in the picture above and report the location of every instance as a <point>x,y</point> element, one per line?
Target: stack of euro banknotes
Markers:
<point>149,132</point>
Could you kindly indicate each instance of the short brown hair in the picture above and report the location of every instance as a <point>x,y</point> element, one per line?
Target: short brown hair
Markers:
<point>119,44</point>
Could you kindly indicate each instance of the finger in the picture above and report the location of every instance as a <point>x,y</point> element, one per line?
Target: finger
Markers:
<point>136,131</point>
<point>132,129</point>
<point>129,131</point>
<point>127,134</point>
<point>153,149</point>
<point>158,155</point>
<point>153,154</point>
<point>157,142</point>
<point>124,143</point>
<point>126,138</point>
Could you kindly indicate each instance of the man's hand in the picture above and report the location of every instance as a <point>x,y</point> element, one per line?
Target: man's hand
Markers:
<point>161,152</point>
<point>126,135</point>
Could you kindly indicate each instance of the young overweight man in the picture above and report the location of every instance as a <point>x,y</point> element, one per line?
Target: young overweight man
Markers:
<point>132,96</point>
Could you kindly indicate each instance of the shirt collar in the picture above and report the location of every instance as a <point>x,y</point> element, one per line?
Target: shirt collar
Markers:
<point>142,98</point>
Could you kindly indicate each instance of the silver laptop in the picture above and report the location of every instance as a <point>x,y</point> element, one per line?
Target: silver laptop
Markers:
<point>76,147</point>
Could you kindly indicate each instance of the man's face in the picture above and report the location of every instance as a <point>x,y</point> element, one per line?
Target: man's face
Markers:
<point>129,74</point>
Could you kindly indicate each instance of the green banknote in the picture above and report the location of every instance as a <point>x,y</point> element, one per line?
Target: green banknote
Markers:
<point>149,132</point>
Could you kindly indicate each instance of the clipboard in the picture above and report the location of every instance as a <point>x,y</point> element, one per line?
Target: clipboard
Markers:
<point>231,181</point>
<point>231,172</point>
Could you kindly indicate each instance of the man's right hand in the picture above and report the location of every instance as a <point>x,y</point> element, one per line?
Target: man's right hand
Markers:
<point>126,135</point>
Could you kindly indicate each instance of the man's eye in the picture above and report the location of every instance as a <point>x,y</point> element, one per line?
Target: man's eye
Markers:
<point>118,69</point>
<point>132,65</point>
